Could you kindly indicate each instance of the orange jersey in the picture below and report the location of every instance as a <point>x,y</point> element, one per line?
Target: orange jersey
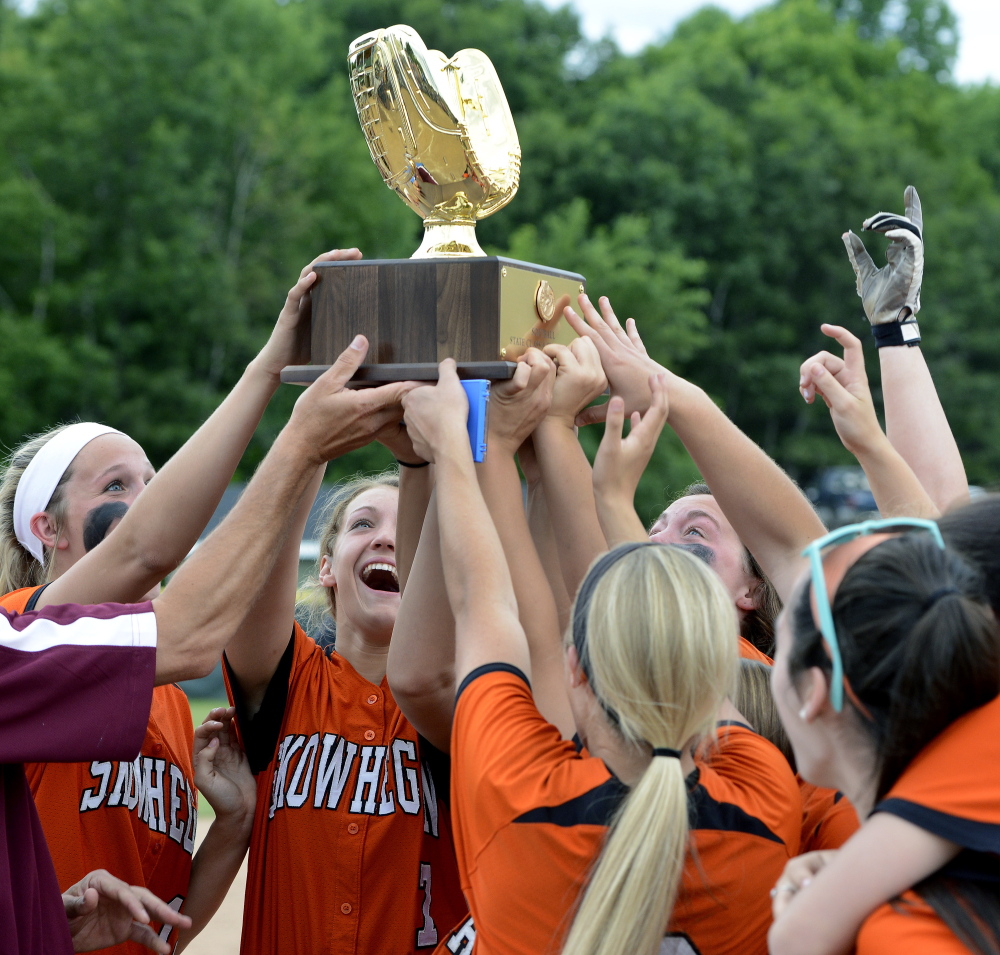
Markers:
<point>828,818</point>
<point>136,819</point>
<point>532,811</point>
<point>749,652</point>
<point>952,788</point>
<point>907,925</point>
<point>351,848</point>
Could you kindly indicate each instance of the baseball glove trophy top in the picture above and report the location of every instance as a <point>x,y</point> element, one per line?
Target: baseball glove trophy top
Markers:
<point>441,134</point>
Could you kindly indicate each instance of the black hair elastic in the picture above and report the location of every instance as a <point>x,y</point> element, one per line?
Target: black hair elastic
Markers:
<point>406,464</point>
<point>664,751</point>
<point>936,596</point>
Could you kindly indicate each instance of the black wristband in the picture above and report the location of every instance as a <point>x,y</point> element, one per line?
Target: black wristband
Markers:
<point>893,334</point>
<point>406,464</point>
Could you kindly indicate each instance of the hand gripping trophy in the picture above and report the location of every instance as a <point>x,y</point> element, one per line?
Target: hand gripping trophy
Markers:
<point>441,134</point>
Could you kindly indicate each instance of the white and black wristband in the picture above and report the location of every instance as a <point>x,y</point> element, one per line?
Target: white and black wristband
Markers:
<point>893,334</point>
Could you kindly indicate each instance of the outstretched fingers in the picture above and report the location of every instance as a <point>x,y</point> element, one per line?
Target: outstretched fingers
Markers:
<point>611,320</point>
<point>597,322</point>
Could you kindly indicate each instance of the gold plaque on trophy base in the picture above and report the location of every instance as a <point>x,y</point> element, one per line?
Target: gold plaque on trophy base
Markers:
<point>484,312</point>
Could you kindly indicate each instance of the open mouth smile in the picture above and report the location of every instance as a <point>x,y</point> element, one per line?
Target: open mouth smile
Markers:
<point>380,576</point>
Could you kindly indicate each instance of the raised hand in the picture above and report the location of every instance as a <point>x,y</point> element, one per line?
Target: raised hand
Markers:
<point>891,294</point>
<point>289,341</point>
<point>221,769</point>
<point>620,462</point>
<point>579,380</point>
<point>517,405</point>
<point>842,383</point>
<point>104,911</point>
<point>331,420</point>
<point>436,416</point>
<point>623,357</point>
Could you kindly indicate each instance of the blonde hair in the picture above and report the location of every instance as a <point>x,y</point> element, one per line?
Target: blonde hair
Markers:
<point>659,649</point>
<point>18,568</point>
<point>756,702</point>
<point>318,604</point>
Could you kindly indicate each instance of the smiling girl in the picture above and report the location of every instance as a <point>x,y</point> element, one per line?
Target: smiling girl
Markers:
<point>78,524</point>
<point>351,848</point>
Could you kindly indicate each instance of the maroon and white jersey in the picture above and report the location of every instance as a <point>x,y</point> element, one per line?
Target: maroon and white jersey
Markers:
<point>76,684</point>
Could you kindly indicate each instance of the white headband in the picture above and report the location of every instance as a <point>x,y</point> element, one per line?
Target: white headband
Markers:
<point>42,476</point>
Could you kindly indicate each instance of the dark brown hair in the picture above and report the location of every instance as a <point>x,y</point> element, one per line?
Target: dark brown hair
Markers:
<point>920,649</point>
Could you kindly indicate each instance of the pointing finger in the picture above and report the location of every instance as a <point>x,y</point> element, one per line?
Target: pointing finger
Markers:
<point>914,211</point>
<point>854,357</point>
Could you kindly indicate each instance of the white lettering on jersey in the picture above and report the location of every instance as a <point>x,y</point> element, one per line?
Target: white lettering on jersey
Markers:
<point>175,903</point>
<point>285,751</point>
<point>334,768</point>
<point>427,934</point>
<point>153,813</point>
<point>462,939</point>
<point>407,786</point>
<point>369,773</point>
<point>137,788</point>
<point>317,770</point>
<point>155,789</point>
<point>90,799</point>
<point>307,761</point>
<point>176,829</point>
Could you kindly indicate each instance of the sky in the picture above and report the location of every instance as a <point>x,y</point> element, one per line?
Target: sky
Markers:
<point>634,23</point>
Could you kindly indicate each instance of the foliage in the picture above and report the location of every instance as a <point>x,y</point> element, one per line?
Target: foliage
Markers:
<point>167,167</point>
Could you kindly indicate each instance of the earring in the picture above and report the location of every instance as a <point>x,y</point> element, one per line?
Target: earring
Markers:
<point>802,713</point>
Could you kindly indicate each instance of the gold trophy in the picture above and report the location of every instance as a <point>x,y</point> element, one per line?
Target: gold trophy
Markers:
<point>441,134</point>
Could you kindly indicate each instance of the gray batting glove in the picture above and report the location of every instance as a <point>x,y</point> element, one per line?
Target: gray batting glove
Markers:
<point>891,294</point>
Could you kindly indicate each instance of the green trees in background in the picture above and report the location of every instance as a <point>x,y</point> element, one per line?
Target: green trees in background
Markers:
<point>166,168</point>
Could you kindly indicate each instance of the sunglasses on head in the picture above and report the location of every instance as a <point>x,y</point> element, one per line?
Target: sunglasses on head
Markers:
<point>815,553</point>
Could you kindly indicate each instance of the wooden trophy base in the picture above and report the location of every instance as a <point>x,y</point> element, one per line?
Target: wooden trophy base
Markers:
<point>483,312</point>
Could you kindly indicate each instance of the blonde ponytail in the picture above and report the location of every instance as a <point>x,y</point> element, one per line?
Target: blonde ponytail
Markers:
<point>18,568</point>
<point>660,648</point>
